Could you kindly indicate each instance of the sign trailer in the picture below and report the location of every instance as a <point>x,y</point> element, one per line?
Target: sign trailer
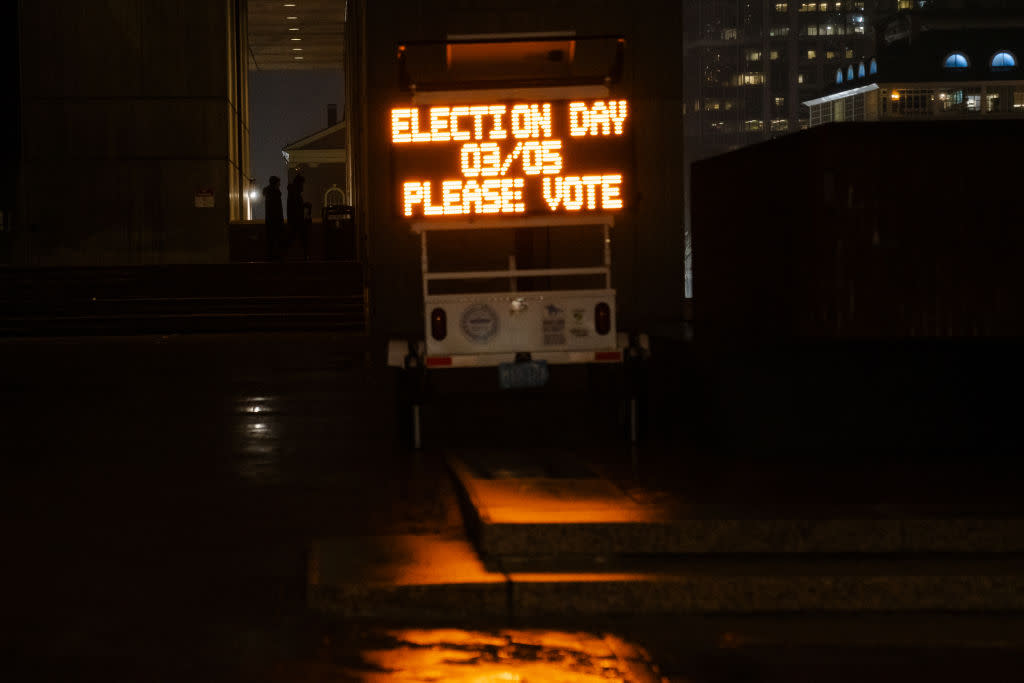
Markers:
<point>498,160</point>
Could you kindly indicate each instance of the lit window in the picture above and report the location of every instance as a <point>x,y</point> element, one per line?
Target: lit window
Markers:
<point>728,34</point>
<point>779,31</point>
<point>839,75</point>
<point>753,55</point>
<point>811,54</point>
<point>800,78</point>
<point>849,73</point>
<point>873,66</point>
<point>830,54</point>
<point>849,53</point>
<point>1002,61</point>
<point>782,7</point>
<point>812,30</point>
<point>861,70</point>
<point>809,7</point>
<point>774,55</point>
<point>754,125</point>
<point>956,60</point>
<point>779,101</point>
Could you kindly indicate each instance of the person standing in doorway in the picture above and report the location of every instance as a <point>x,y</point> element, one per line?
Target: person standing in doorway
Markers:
<point>274,219</point>
<point>297,226</point>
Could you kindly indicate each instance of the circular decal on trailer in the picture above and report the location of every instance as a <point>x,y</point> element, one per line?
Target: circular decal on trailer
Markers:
<point>479,323</point>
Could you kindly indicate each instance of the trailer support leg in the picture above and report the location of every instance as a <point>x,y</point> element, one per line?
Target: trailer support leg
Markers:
<point>633,419</point>
<point>417,443</point>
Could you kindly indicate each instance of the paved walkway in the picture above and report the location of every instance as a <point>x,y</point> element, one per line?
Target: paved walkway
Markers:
<point>165,492</point>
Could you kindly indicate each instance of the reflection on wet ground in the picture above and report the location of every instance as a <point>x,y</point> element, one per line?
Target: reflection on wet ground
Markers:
<point>507,655</point>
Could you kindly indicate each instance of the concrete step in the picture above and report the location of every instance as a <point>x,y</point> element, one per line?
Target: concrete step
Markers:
<point>442,577</point>
<point>529,514</point>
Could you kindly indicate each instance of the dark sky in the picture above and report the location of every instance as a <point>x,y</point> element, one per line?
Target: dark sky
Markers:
<point>285,106</point>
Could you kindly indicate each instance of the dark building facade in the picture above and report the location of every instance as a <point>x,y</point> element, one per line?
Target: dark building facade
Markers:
<point>135,135</point>
<point>864,298</point>
<point>647,238</point>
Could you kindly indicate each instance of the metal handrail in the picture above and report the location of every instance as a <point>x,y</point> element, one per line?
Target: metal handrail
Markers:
<point>516,272</point>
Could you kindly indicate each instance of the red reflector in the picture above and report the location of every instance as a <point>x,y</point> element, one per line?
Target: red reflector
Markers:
<point>600,355</point>
<point>438,361</point>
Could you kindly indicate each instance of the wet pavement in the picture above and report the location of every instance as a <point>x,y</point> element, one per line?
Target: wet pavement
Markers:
<point>163,494</point>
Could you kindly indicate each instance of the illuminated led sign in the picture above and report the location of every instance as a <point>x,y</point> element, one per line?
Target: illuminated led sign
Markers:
<point>509,159</point>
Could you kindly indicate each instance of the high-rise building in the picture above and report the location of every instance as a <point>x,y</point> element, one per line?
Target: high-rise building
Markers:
<point>750,64</point>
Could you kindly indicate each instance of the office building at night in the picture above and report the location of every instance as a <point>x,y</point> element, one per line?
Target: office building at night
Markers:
<point>750,63</point>
<point>933,65</point>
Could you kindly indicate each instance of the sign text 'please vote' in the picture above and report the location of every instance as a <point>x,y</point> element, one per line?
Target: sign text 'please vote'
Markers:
<point>511,159</point>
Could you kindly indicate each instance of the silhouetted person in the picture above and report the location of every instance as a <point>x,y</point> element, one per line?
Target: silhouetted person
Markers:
<point>298,226</point>
<point>274,218</point>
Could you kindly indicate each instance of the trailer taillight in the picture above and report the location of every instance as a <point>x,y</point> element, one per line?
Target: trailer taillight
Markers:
<point>603,318</point>
<point>438,324</point>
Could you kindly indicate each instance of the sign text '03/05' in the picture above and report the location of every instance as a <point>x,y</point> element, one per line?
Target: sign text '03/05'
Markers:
<point>537,157</point>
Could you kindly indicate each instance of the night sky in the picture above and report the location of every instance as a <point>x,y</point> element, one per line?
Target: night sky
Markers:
<point>285,106</point>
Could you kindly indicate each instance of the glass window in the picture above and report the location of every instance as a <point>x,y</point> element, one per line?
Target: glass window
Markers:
<point>909,102</point>
<point>812,30</point>
<point>1003,60</point>
<point>774,55</point>
<point>782,7</point>
<point>753,55</point>
<point>830,54</point>
<point>873,66</point>
<point>1018,98</point>
<point>839,75</point>
<point>849,73</point>
<point>811,54</point>
<point>849,53</point>
<point>861,70</point>
<point>808,7</point>
<point>956,60</point>
<point>779,31</point>
<point>779,101</point>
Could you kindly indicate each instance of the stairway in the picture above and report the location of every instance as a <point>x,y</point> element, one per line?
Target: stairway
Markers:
<point>183,298</point>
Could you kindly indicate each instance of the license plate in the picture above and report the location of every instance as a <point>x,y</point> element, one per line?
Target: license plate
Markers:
<point>526,375</point>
